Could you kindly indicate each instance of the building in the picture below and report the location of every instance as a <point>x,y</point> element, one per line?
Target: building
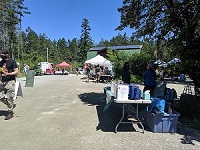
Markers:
<point>92,52</point>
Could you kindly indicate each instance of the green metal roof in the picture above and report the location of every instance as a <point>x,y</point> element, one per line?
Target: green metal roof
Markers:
<point>116,47</point>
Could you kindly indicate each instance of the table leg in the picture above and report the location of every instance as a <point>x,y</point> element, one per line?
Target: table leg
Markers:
<point>123,112</point>
<point>139,119</point>
<point>120,119</point>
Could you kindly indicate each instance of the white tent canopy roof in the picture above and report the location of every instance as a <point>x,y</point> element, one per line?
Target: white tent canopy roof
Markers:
<point>98,60</point>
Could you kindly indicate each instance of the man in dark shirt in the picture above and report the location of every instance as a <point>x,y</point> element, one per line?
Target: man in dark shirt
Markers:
<point>9,71</point>
<point>126,76</point>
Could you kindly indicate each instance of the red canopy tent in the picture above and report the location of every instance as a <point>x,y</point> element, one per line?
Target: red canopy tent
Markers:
<point>63,65</point>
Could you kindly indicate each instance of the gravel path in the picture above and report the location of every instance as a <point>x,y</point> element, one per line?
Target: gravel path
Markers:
<point>65,113</point>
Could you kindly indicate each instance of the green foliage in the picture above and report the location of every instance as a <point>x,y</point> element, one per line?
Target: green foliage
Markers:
<point>138,63</point>
<point>173,23</point>
<point>11,12</point>
<point>118,59</point>
<point>119,40</point>
<point>74,64</point>
<point>85,40</point>
<point>189,106</point>
<point>136,79</point>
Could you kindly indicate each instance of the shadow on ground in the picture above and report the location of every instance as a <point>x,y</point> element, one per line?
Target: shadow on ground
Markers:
<point>107,119</point>
<point>3,113</point>
<point>189,135</point>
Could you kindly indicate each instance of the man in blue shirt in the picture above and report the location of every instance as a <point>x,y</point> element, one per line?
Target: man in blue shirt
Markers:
<point>149,79</point>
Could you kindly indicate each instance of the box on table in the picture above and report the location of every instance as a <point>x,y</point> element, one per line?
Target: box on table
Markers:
<point>162,123</point>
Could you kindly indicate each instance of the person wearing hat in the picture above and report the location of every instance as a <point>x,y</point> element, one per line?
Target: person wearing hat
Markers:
<point>9,71</point>
<point>149,78</point>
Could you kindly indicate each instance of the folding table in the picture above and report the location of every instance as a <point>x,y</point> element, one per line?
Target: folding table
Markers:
<point>110,99</point>
<point>123,102</point>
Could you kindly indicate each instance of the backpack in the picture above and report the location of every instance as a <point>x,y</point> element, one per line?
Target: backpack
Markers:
<point>159,90</point>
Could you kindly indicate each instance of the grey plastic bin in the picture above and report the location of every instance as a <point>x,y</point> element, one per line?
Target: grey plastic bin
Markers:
<point>163,123</point>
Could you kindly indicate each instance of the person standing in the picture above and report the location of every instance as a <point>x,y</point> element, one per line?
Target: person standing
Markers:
<point>97,71</point>
<point>25,70</point>
<point>126,76</point>
<point>77,71</point>
<point>87,73</point>
<point>7,83</point>
<point>63,71</point>
<point>149,79</point>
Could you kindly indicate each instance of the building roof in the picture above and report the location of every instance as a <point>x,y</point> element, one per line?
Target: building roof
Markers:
<point>116,47</point>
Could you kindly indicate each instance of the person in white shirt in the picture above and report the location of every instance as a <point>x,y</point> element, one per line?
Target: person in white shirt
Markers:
<point>26,68</point>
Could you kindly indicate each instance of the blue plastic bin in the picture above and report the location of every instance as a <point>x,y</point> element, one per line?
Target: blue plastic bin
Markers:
<point>162,123</point>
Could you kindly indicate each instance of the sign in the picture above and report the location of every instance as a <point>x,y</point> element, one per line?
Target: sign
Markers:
<point>30,78</point>
<point>18,90</point>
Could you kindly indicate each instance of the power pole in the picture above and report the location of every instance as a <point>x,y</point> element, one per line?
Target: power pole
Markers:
<point>47,55</point>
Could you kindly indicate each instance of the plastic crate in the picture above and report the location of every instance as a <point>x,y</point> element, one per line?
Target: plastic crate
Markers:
<point>162,122</point>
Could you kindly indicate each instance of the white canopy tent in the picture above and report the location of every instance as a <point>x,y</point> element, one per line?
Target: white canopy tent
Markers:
<point>99,60</point>
<point>174,60</point>
<point>161,63</point>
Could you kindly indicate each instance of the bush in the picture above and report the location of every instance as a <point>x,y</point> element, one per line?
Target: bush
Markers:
<point>138,63</point>
<point>136,79</point>
<point>189,106</point>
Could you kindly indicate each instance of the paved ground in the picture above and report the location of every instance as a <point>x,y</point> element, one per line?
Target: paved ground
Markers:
<point>65,113</point>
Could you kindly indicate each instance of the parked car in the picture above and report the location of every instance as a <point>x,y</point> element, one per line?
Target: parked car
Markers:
<point>61,73</point>
<point>81,71</point>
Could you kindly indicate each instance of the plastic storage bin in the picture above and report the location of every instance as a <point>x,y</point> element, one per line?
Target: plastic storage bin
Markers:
<point>162,123</point>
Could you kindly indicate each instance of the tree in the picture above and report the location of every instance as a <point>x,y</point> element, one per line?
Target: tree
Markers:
<point>119,40</point>
<point>175,21</point>
<point>73,48</point>
<point>11,13</point>
<point>103,42</point>
<point>85,40</point>
<point>62,48</point>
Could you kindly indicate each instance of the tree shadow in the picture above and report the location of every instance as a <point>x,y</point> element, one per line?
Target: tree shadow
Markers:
<point>3,113</point>
<point>92,98</point>
<point>110,118</point>
<point>189,135</point>
<point>107,119</point>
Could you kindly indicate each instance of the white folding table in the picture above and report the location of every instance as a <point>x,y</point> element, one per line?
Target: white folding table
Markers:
<point>123,102</point>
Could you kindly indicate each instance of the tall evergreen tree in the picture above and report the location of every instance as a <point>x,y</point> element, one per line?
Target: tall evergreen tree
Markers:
<point>119,40</point>
<point>103,42</point>
<point>85,40</point>
<point>74,50</point>
<point>11,13</point>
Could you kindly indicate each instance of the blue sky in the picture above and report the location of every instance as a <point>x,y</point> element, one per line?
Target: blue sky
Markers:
<point>63,18</point>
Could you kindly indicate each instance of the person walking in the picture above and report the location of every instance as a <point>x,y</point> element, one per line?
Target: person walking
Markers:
<point>126,76</point>
<point>25,70</point>
<point>7,83</point>
<point>149,79</point>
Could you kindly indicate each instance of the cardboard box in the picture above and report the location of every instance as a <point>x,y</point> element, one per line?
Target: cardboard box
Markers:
<point>163,123</point>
